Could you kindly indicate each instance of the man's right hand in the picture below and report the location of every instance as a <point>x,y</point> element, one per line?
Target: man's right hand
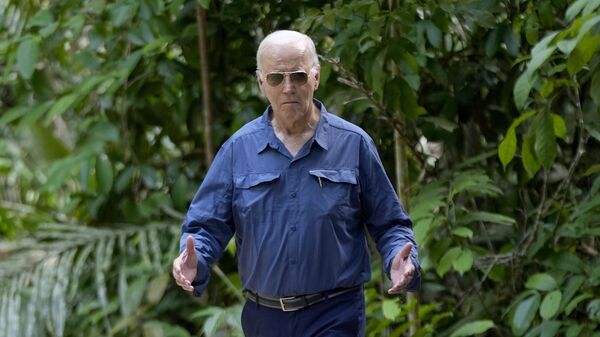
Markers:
<point>185,266</point>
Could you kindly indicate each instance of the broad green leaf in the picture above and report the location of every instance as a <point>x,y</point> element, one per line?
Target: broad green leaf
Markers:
<point>104,174</point>
<point>463,232</point>
<point>13,114</point>
<point>485,217</point>
<point>475,182</point>
<point>473,328</point>
<point>522,88</point>
<point>550,304</point>
<point>592,170</point>
<point>560,129</point>
<point>547,88</point>
<point>544,43</point>
<point>124,179</point>
<point>60,171</point>
<point>545,141</point>
<point>508,147</point>
<point>390,309</point>
<point>541,281</point>
<point>539,58</point>
<point>46,144</point>
<point>583,53</point>
<point>434,35</point>
<point>574,302</point>
<point>574,9</point>
<point>122,12</point>
<point>524,314</point>
<point>590,7</point>
<point>571,289</point>
<point>40,19</point>
<point>27,57</point>
<point>523,117</point>
<point>567,46</point>
<point>63,104</point>
<point>546,329</point>
<point>530,162</point>
<point>447,260</point>
<point>464,262</point>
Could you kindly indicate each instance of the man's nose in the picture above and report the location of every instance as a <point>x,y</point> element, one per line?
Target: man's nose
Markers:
<point>287,84</point>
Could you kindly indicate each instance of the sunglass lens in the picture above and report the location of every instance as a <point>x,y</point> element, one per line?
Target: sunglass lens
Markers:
<point>274,79</point>
<point>299,77</point>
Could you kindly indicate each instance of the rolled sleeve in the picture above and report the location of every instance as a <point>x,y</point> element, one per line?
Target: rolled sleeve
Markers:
<point>385,218</point>
<point>209,219</point>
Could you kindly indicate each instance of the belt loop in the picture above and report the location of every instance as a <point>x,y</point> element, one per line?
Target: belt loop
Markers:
<point>305,301</point>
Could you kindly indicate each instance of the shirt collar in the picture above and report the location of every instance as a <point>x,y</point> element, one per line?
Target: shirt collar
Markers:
<point>270,140</point>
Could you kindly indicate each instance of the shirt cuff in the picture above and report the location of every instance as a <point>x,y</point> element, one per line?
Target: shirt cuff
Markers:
<point>201,280</point>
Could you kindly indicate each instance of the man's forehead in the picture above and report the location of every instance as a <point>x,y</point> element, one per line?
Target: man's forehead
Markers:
<point>285,55</point>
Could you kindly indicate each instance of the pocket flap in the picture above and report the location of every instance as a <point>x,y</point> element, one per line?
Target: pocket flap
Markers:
<point>337,176</point>
<point>253,179</point>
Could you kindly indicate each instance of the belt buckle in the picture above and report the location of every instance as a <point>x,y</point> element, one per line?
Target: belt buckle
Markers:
<point>283,308</point>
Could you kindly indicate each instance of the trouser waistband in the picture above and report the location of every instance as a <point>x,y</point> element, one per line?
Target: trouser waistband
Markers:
<point>294,303</point>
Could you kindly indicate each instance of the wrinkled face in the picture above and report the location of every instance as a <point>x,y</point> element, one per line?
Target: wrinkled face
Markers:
<point>291,99</point>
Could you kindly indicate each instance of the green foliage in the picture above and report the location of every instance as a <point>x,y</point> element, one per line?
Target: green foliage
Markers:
<point>100,125</point>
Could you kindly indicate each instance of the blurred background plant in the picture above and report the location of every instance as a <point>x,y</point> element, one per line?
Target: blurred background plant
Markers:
<point>486,114</point>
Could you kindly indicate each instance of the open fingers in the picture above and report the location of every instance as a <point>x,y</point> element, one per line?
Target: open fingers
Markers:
<point>402,280</point>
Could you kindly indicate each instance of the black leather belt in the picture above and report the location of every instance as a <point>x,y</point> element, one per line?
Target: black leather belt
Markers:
<point>294,303</point>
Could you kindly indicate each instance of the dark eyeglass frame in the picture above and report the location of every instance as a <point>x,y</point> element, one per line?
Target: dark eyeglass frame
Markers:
<point>275,78</point>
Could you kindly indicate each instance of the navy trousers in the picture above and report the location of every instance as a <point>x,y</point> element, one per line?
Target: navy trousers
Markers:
<point>341,316</point>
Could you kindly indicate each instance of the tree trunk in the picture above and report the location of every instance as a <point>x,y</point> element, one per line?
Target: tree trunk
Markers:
<point>402,183</point>
<point>204,71</point>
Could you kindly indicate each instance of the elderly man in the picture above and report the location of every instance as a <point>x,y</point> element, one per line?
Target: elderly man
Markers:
<point>298,187</point>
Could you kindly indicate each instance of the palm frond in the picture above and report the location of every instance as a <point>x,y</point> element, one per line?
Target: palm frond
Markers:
<point>41,279</point>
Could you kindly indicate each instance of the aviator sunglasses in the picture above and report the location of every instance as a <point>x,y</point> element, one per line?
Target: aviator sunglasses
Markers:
<point>296,77</point>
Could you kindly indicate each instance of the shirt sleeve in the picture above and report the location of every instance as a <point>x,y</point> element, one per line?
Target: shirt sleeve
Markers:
<point>385,218</point>
<point>209,219</point>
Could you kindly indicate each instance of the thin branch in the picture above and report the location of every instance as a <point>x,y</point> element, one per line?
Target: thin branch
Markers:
<point>530,235</point>
<point>348,78</point>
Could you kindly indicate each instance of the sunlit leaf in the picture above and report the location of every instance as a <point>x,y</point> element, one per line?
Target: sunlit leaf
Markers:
<point>545,141</point>
<point>550,304</point>
<point>464,261</point>
<point>446,261</point>
<point>473,328</point>
<point>390,309</point>
<point>508,147</point>
<point>528,158</point>
<point>560,128</point>
<point>524,314</point>
<point>541,281</point>
<point>27,57</point>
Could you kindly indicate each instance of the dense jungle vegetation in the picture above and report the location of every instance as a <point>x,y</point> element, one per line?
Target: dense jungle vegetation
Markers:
<point>486,115</point>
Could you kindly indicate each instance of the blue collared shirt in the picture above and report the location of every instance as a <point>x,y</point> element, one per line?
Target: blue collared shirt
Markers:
<point>299,222</point>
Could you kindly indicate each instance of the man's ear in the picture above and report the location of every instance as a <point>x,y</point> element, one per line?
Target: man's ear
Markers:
<point>259,81</point>
<point>317,74</point>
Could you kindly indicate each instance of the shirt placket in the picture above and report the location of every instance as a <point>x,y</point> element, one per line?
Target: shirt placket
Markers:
<point>292,194</point>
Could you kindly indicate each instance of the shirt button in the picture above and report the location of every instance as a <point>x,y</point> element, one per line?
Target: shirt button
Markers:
<point>293,229</point>
<point>292,261</point>
<point>293,194</point>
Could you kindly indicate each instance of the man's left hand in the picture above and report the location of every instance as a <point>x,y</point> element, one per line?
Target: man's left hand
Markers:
<point>402,270</point>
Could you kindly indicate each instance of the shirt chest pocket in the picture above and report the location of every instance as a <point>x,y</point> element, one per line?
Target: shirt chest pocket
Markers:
<point>335,188</point>
<point>252,190</point>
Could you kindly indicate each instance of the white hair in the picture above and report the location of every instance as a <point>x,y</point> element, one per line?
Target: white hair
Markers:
<point>287,35</point>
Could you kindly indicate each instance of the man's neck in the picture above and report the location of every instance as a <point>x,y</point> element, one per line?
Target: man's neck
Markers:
<point>297,128</point>
<point>295,136</point>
